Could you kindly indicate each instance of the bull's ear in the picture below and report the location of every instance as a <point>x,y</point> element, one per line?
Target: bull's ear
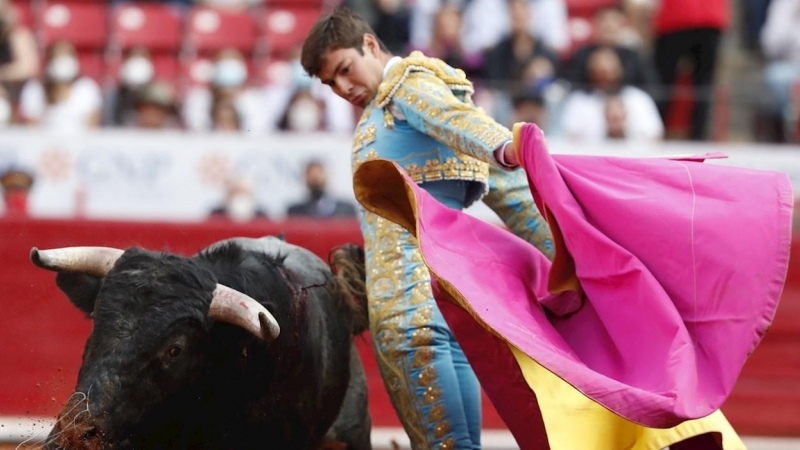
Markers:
<point>81,289</point>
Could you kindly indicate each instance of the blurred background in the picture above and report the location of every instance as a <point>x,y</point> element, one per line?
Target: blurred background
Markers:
<point>172,124</point>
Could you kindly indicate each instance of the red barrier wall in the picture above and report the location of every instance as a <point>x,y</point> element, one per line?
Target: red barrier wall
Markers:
<point>42,334</point>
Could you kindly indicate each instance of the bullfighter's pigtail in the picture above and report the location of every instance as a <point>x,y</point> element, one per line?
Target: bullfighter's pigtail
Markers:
<point>347,264</point>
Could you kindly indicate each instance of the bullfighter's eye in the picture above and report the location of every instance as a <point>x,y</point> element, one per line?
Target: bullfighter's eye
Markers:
<point>174,351</point>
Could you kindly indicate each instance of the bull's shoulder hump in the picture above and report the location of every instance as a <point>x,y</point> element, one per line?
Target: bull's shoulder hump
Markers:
<point>296,260</point>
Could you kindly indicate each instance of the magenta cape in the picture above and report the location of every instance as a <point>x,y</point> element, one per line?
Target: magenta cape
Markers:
<point>669,271</point>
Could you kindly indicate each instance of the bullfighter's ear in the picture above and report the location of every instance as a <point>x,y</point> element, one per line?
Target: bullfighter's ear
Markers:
<point>80,288</point>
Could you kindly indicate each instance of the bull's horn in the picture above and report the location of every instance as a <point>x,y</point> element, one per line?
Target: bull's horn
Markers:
<point>230,305</point>
<point>89,260</point>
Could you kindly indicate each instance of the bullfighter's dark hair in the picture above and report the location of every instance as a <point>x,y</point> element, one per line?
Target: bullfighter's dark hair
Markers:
<point>341,29</point>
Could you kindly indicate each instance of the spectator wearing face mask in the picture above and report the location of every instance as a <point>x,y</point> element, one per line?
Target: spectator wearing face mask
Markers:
<point>240,204</point>
<point>319,204</point>
<point>228,83</point>
<point>64,101</point>
<point>338,115</point>
<point>304,114</point>
<point>135,72</point>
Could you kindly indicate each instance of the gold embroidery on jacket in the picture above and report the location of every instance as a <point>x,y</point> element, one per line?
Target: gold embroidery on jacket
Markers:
<point>418,62</point>
<point>458,124</point>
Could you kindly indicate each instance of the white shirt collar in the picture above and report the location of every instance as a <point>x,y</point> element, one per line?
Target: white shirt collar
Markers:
<point>389,64</point>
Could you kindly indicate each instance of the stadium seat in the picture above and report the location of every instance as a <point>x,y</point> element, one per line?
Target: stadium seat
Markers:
<point>209,29</point>
<point>155,26</point>
<point>92,65</point>
<point>197,71</point>
<point>284,28</point>
<point>83,24</point>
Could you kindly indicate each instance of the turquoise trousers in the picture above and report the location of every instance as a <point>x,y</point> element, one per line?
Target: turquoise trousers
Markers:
<point>430,383</point>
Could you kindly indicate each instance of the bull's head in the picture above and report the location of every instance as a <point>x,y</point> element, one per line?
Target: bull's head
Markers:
<point>126,353</point>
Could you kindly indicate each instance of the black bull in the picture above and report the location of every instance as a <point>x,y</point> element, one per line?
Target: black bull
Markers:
<point>248,344</point>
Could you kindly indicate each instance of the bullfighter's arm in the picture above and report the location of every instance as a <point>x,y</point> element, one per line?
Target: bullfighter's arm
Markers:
<point>511,199</point>
<point>430,106</point>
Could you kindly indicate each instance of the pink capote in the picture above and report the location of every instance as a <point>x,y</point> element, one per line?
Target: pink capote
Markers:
<point>669,272</point>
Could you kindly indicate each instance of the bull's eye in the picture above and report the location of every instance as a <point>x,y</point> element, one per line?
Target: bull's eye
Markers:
<point>174,351</point>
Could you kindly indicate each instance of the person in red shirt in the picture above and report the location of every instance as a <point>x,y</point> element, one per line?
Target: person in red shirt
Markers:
<point>689,29</point>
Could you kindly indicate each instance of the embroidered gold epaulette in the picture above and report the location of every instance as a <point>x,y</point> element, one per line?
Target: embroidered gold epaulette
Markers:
<point>417,62</point>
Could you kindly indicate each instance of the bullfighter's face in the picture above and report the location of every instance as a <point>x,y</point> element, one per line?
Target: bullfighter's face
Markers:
<point>353,75</point>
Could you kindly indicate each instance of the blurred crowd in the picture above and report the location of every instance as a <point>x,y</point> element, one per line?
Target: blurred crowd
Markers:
<point>581,69</point>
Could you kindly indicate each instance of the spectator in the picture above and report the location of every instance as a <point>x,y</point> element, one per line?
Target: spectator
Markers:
<point>446,42</point>
<point>586,114</point>
<point>338,113</point>
<point>319,203</point>
<point>689,29</point>
<point>228,83</point>
<point>530,107</point>
<point>506,62</point>
<point>390,18</point>
<point>155,107</point>
<point>303,114</point>
<point>240,203</point>
<point>19,57</point>
<point>16,184</point>
<point>487,21</point>
<point>135,72</point>
<point>780,41</point>
<point>610,27</point>
<point>65,100</point>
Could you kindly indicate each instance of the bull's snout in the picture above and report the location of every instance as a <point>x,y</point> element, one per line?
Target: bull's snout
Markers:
<point>75,431</point>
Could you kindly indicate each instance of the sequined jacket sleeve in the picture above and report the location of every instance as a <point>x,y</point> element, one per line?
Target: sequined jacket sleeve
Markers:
<point>510,198</point>
<point>447,114</point>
